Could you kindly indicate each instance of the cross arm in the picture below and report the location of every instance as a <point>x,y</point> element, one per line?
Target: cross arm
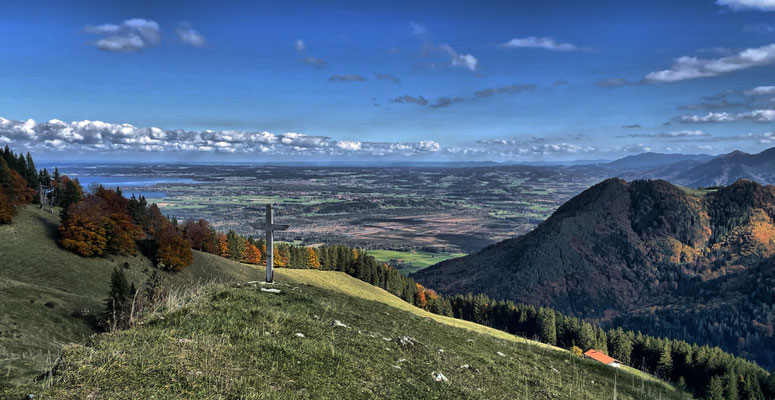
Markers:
<point>274,227</point>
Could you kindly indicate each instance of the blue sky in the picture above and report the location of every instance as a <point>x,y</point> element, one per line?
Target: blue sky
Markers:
<point>510,81</point>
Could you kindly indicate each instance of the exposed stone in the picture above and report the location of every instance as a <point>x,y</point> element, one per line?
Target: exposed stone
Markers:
<point>300,335</point>
<point>407,341</point>
<point>337,323</point>
<point>439,377</point>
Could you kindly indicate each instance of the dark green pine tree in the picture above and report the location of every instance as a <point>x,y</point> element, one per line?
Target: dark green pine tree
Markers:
<point>665,363</point>
<point>31,174</point>
<point>731,391</point>
<point>21,166</point>
<point>118,299</point>
<point>45,179</point>
<point>547,326</point>
<point>71,194</point>
<point>138,210</point>
<point>751,389</point>
<point>8,156</point>
<point>715,389</point>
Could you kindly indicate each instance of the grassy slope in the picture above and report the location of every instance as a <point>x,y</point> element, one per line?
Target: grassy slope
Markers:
<point>241,343</point>
<point>34,271</point>
<point>228,331</point>
<point>419,260</point>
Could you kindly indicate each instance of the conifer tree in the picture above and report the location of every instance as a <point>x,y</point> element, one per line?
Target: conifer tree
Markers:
<point>313,261</point>
<point>118,301</point>
<point>730,386</point>
<point>31,173</point>
<point>715,389</point>
<point>547,327</point>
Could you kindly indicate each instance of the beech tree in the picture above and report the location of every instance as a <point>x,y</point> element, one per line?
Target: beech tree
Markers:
<point>252,255</point>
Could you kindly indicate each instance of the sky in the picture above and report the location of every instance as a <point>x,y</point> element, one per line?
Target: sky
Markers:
<point>413,80</point>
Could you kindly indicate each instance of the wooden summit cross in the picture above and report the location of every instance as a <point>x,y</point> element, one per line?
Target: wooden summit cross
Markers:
<point>269,226</point>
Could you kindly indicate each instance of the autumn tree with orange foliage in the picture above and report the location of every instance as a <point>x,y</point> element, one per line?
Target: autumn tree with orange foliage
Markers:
<point>419,297</point>
<point>98,224</point>
<point>313,261</point>
<point>172,250</point>
<point>223,246</point>
<point>251,255</point>
<point>281,255</point>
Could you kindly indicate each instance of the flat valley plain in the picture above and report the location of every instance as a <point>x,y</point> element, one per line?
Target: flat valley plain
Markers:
<point>426,209</point>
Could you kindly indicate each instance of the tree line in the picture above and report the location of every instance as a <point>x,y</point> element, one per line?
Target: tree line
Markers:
<point>18,182</point>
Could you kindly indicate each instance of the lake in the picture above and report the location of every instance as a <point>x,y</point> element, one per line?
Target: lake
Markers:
<point>146,182</point>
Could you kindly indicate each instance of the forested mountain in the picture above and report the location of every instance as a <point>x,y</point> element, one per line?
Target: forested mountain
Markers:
<point>727,168</point>
<point>650,160</point>
<point>631,252</point>
<point>697,170</point>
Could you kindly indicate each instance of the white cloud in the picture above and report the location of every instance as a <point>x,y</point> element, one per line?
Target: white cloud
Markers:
<point>692,67</point>
<point>755,115</point>
<point>190,36</point>
<point>761,90</point>
<point>103,136</point>
<point>539,42</point>
<point>348,145</point>
<point>130,35</point>
<point>299,45</point>
<point>460,60</point>
<point>763,5</point>
<point>667,135</point>
<point>431,50</point>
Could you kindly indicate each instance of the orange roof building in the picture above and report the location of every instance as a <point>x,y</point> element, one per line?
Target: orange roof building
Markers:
<point>602,358</point>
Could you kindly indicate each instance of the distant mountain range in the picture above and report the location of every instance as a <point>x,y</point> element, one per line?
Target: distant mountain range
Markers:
<point>696,170</point>
<point>646,254</point>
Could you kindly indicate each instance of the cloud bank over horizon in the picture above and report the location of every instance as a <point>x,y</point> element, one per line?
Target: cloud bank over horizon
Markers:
<point>99,139</point>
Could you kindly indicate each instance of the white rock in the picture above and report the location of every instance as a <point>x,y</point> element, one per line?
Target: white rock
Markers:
<point>500,354</point>
<point>267,333</point>
<point>402,360</point>
<point>406,341</point>
<point>441,350</point>
<point>439,377</point>
<point>270,290</point>
<point>337,323</point>
<point>465,366</point>
<point>299,335</point>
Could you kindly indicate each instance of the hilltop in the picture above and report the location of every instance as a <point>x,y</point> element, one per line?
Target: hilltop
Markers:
<point>620,247</point>
<point>241,342</point>
<point>219,330</point>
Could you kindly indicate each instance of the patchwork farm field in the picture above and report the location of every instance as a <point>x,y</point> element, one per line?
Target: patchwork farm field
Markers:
<point>411,261</point>
<point>435,211</point>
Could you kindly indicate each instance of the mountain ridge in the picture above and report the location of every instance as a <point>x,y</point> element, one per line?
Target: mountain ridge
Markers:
<point>619,247</point>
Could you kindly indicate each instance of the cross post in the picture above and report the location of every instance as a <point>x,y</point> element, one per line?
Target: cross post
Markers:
<point>269,227</point>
